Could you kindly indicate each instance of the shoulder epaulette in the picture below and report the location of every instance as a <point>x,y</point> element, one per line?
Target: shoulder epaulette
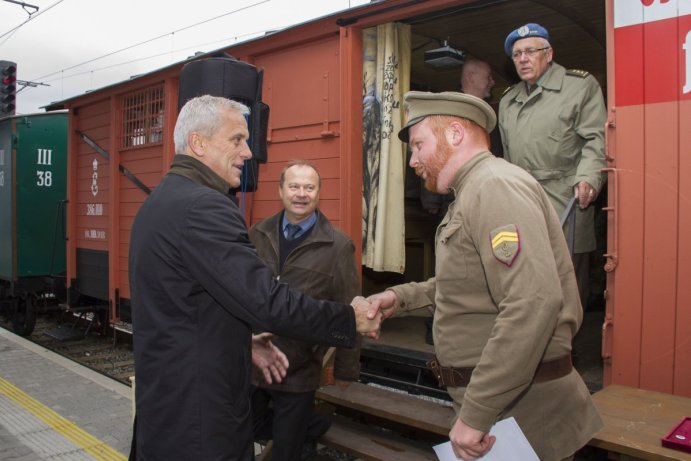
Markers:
<point>508,88</point>
<point>577,72</point>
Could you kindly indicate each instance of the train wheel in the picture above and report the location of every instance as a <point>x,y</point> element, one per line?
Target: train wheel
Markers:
<point>24,319</point>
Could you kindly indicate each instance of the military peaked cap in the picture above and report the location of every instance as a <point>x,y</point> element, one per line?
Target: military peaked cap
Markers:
<point>420,104</point>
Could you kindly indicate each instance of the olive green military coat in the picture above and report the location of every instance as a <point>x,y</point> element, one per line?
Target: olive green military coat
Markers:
<point>557,134</point>
<point>506,299</point>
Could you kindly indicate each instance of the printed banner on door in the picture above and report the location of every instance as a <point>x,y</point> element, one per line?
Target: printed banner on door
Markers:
<point>652,51</point>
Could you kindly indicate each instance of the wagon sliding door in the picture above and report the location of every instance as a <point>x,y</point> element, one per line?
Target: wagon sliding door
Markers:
<point>649,305</point>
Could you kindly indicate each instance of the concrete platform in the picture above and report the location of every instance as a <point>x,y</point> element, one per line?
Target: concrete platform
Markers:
<point>53,408</point>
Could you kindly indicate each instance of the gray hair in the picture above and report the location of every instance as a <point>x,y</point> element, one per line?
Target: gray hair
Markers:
<point>544,42</point>
<point>202,114</point>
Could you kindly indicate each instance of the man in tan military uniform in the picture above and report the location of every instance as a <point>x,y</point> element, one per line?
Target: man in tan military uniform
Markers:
<point>552,125</point>
<point>505,296</point>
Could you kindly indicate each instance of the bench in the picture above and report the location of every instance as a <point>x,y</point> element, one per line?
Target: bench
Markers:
<point>635,421</point>
<point>385,415</point>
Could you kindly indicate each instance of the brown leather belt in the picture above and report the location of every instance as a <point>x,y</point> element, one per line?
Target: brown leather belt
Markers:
<point>460,377</point>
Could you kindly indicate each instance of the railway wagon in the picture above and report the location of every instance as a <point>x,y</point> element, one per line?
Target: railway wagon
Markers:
<point>33,186</point>
<point>334,86</point>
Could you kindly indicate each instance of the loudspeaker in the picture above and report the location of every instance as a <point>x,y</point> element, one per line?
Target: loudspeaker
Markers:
<point>224,77</point>
<point>259,125</point>
<point>249,179</point>
<point>229,78</point>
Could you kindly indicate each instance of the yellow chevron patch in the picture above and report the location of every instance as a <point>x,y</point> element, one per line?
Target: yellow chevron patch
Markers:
<point>504,236</point>
<point>506,243</point>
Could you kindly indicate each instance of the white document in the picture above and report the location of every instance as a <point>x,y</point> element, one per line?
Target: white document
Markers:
<point>510,444</point>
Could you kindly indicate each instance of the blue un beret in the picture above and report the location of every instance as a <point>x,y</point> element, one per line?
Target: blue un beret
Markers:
<point>529,30</point>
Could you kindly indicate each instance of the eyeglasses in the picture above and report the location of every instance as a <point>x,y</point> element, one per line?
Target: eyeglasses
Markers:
<point>529,52</point>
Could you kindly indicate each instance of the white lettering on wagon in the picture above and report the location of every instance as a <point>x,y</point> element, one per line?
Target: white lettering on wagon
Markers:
<point>95,234</point>
<point>94,209</point>
<point>94,178</point>
<point>44,178</point>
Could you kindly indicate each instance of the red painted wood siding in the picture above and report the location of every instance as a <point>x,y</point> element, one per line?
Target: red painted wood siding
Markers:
<point>302,87</point>
<point>651,309</point>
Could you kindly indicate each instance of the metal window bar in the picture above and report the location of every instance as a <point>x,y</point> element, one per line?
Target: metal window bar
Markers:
<point>142,117</point>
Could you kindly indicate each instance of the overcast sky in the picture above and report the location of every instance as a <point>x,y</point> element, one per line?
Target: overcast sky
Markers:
<point>55,45</point>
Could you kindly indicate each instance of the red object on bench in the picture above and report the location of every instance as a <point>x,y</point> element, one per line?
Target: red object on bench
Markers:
<point>680,437</point>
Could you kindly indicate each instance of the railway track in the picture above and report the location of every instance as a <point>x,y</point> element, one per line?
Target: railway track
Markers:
<point>110,355</point>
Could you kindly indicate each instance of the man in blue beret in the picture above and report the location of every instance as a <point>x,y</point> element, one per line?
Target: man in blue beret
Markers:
<point>552,125</point>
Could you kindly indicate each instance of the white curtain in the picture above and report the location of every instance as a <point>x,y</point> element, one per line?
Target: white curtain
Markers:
<point>386,78</point>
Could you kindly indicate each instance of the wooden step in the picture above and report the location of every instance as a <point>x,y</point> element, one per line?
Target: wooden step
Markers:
<point>373,444</point>
<point>396,407</point>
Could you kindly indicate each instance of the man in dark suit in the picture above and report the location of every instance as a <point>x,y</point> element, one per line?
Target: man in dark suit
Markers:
<point>197,290</point>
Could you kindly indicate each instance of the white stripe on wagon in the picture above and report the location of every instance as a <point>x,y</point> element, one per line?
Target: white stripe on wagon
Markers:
<point>632,12</point>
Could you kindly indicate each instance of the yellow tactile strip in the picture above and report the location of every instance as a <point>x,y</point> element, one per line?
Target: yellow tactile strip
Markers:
<point>90,444</point>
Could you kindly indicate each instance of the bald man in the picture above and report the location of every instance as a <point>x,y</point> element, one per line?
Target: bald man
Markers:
<point>476,79</point>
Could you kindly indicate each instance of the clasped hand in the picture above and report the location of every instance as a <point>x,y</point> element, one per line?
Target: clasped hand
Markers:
<point>366,324</point>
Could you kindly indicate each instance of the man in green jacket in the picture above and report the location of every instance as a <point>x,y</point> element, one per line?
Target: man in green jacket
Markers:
<point>303,249</point>
<point>552,125</point>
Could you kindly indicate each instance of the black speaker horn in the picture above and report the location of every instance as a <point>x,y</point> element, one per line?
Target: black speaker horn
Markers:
<point>226,77</point>
<point>230,78</point>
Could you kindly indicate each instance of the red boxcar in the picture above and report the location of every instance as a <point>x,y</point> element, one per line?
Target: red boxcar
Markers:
<point>640,51</point>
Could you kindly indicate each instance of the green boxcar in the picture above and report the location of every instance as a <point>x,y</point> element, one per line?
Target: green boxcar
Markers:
<point>33,182</point>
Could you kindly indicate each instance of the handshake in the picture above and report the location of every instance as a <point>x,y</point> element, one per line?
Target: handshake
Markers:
<point>370,312</point>
<point>367,317</point>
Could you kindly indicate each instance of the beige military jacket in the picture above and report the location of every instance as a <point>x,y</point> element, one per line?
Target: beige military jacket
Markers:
<point>557,134</point>
<point>506,299</point>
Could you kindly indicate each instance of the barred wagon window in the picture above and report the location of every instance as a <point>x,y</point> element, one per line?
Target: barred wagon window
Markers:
<point>142,120</point>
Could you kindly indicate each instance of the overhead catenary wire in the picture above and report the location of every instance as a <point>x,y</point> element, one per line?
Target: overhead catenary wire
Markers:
<point>25,6</point>
<point>31,16</point>
<point>157,55</point>
<point>150,40</point>
<point>97,76</point>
